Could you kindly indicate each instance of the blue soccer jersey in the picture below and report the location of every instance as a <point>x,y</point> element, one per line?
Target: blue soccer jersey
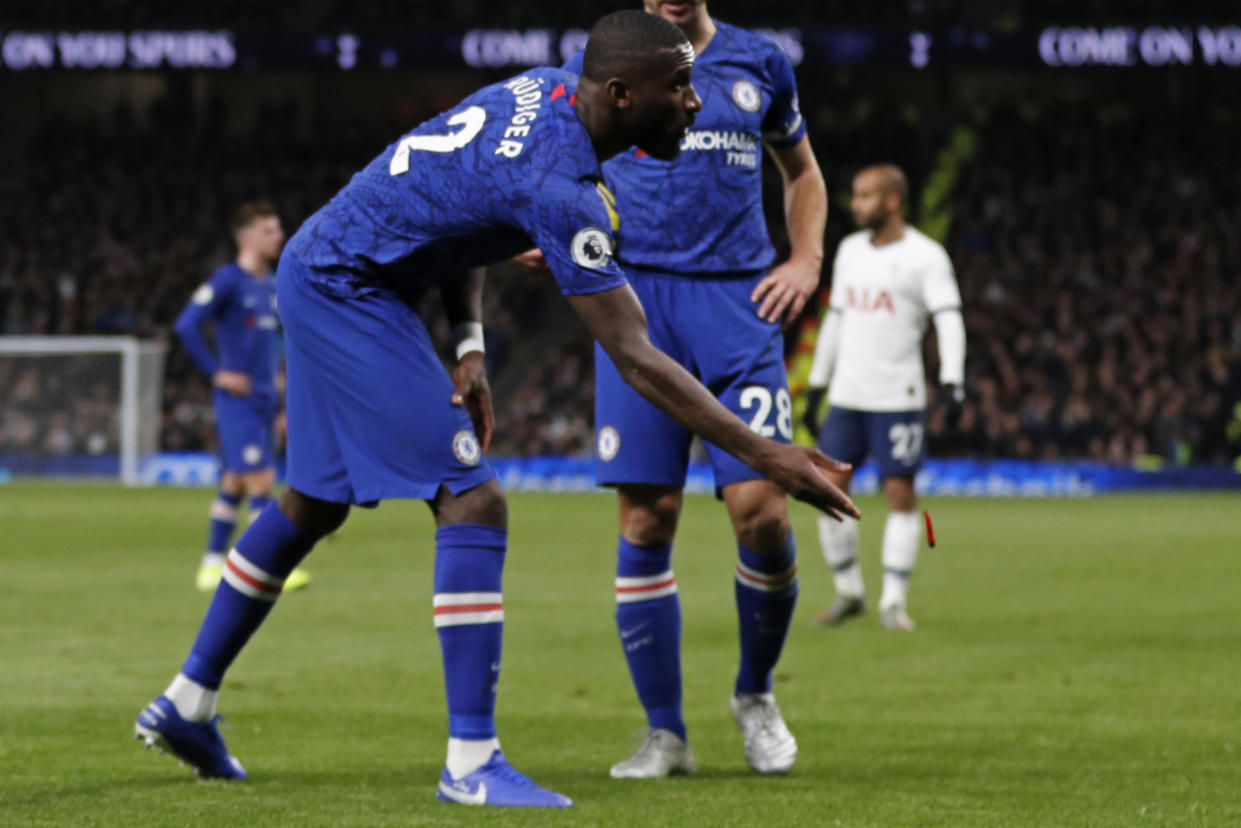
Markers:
<point>510,167</point>
<point>703,212</point>
<point>369,403</point>
<point>243,308</point>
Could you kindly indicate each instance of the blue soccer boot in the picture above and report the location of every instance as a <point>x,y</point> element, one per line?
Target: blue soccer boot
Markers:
<point>498,783</point>
<point>197,744</point>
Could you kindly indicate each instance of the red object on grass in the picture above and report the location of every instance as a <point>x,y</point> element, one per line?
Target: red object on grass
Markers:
<point>930,532</point>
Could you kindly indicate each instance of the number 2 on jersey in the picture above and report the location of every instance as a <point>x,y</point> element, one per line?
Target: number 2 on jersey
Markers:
<point>470,120</point>
<point>906,441</point>
<point>760,396</point>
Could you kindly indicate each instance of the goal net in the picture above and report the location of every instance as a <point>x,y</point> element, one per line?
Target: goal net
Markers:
<point>79,406</point>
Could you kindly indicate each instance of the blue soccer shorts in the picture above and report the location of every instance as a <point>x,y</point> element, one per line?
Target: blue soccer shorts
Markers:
<point>245,427</point>
<point>368,401</point>
<point>709,326</point>
<point>896,439</point>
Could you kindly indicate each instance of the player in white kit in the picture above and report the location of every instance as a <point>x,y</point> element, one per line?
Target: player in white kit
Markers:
<point>888,280</point>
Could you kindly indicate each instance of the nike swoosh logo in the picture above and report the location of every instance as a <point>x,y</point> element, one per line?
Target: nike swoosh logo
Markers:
<point>479,797</point>
<point>633,630</point>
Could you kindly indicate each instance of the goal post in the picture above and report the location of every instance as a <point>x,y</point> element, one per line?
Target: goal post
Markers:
<point>79,406</point>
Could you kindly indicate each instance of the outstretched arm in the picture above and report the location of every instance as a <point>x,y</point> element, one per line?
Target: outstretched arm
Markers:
<point>463,305</point>
<point>617,321</point>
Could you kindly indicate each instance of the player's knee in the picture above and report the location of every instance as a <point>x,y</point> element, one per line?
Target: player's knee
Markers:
<point>315,517</point>
<point>649,517</point>
<point>260,483</point>
<point>900,494</point>
<point>484,504</point>
<point>764,528</point>
<point>231,484</point>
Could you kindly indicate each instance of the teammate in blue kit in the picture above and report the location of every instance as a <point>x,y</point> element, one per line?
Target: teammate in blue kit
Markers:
<point>695,248</point>
<point>240,299</point>
<point>372,413</point>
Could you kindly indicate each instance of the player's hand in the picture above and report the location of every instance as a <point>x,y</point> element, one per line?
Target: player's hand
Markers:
<point>953,397</point>
<point>786,288</point>
<point>531,263</point>
<point>814,402</point>
<point>799,471</point>
<point>473,391</point>
<point>234,382</point>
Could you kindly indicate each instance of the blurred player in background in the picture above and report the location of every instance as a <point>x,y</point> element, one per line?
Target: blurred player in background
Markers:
<point>374,416</point>
<point>240,299</point>
<point>888,279</point>
<point>694,245</point>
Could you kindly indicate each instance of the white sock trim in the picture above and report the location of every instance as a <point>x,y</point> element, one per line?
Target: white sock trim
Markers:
<point>222,511</point>
<point>468,755</point>
<point>840,541</point>
<point>194,702</point>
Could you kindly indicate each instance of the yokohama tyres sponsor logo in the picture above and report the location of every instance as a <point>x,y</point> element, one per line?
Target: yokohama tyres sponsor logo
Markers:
<point>716,139</point>
<point>741,147</point>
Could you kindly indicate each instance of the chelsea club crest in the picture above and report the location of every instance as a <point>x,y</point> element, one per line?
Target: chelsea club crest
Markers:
<point>609,443</point>
<point>745,95</point>
<point>465,448</point>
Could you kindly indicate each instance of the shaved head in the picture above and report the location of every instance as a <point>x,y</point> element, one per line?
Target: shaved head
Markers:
<point>879,194</point>
<point>635,88</point>
<point>627,41</point>
<point>890,178</point>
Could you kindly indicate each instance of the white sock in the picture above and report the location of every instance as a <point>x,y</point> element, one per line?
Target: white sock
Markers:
<point>468,755</point>
<point>901,537</point>
<point>839,540</point>
<point>194,702</point>
<point>213,559</point>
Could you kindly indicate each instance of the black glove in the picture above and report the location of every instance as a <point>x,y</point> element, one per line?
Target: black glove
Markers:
<point>814,401</point>
<point>953,397</point>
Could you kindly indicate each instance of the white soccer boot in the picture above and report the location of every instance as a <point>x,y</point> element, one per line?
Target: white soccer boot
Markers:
<point>662,754</point>
<point>769,746</point>
<point>895,618</point>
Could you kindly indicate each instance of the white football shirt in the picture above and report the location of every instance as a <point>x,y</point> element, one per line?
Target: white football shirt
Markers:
<point>885,297</point>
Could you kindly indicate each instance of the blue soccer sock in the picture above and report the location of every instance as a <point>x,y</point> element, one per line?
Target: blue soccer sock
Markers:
<point>648,618</point>
<point>223,516</point>
<point>254,574</point>
<point>766,592</point>
<point>257,504</point>
<point>469,617</point>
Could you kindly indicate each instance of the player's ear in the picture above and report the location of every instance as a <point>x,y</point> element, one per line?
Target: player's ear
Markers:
<point>618,93</point>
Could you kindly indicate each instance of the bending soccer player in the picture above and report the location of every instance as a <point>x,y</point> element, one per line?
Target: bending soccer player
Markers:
<point>240,299</point>
<point>695,248</point>
<point>374,416</point>
<point>888,279</point>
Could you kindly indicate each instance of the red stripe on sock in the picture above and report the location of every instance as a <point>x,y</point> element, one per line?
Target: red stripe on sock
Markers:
<point>648,587</point>
<point>468,608</point>
<point>252,581</point>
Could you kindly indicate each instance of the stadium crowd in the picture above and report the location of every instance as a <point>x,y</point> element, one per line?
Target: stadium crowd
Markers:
<point>1098,256</point>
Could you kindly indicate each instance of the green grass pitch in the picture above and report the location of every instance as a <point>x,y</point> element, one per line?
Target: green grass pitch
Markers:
<point>1077,662</point>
